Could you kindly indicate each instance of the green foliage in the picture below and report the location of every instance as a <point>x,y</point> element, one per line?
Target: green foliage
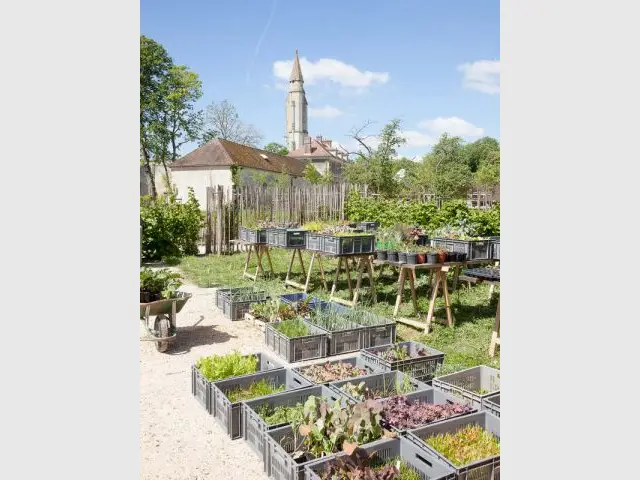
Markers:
<point>254,390</point>
<point>311,174</point>
<point>281,414</point>
<point>293,328</point>
<point>477,153</point>
<point>276,148</point>
<point>163,282</point>
<point>469,444</point>
<point>488,174</point>
<point>170,228</point>
<point>361,392</point>
<point>219,367</point>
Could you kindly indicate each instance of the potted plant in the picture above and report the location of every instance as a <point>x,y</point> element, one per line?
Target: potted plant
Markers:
<point>442,255</point>
<point>158,284</point>
<point>414,255</point>
<point>432,256</point>
<point>402,255</point>
<point>393,245</point>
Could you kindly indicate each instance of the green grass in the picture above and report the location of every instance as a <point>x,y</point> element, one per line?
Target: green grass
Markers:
<point>256,389</point>
<point>465,345</point>
<point>293,328</point>
<point>467,445</point>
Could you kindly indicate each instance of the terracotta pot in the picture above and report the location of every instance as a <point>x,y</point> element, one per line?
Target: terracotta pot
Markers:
<point>442,257</point>
<point>420,258</point>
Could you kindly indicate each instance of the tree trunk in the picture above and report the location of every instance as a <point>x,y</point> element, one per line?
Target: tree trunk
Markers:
<point>152,180</point>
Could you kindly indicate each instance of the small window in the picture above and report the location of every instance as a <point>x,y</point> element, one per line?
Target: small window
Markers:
<point>264,156</point>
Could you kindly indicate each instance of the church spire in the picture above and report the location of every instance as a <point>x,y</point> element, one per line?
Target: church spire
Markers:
<point>296,71</point>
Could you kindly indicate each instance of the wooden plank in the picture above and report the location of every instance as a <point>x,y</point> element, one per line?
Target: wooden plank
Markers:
<point>412,323</point>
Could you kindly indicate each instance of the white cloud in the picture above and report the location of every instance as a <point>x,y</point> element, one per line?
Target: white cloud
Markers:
<point>482,75</point>
<point>331,70</point>
<point>417,139</point>
<point>454,126</point>
<point>325,112</point>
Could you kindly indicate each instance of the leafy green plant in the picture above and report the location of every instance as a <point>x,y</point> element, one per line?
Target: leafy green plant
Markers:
<point>266,311</point>
<point>218,367</point>
<point>293,328</point>
<point>469,444</point>
<point>280,415</point>
<point>361,392</point>
<point>331,320</point>
<point>257,389</point>
<point>331,372</point>
<point>163,283</point>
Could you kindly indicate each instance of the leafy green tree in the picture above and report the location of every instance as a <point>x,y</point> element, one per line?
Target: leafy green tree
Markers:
<point>276,148</point>
<point>477,152</point>
<point>311,174</point>
<point>488,174</point>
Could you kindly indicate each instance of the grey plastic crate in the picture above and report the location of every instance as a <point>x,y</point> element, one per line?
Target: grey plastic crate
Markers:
<point>349,245</point>
<point>255,428</point>
<point>222,292</point>
<point>387,449</point>
<point>485,469</point>
<point>349,339</point>
<point>492,404</point>
<point>368,226</point>
<point>434,397</point>
<point>229,414</point>
<point>378,330</point>
<point>201,387</point>
<point>253,235</point>
<point>421,368</point>
<point>467,383</point>
<point>356,360</point>
<point>297,349</point>
<point>495,249</point>
<point>388,382</point>
<point>475,249</point>
<point>236,304</point>
<point>286,237</point>
<point>314,241</point>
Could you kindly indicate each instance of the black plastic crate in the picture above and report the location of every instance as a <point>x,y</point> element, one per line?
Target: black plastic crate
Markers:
<point>286,237</point>
<point>349,339</point>
<point>255,428</point>
<point>475,249</point>
<point>434,397</point>
<point>378,330</point>
<point>483,273</point>
<point>389,381</point>
<point>485,469</point>
<point>201,387</point>
<point>472,385</point>
<point>421,368</point>
<point>314,241</point>
<point>368,226</point>
<point>229,414</point>
<point>492,404</point>
<point>349,245</point>
<point>356,360</point>
<point>495,249</point>
<point>297,349</point>
<point>235,305</point>
<point>387,449</point>
<point>222,292</point>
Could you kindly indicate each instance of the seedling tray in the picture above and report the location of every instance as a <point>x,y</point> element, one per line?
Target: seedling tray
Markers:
<point>349,245</point>
<point>466,383</point>
<point>255,428</point>
<point>253,235</point>
<point>421,368</point>
<point>314,241</point>
<point>201,387</point>
<point>377,330</point>
<point>389,449</point>
<point>492,404</point>
<point>349,339</point>
<point>475,249</point>
<point>222,292</point>
<point>286,237</point>
<point>485,469</point>
<point>434,397</point>
<point>235,305</point>
<point>356,360</point>
<point>378,381</point>
<point>297,349</point>
<point>229,414</point>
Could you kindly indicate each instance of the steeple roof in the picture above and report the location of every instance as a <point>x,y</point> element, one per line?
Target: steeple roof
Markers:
<point>296,71</point>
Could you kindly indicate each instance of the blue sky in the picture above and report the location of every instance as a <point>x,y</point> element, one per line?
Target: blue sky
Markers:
<point>432,63</point>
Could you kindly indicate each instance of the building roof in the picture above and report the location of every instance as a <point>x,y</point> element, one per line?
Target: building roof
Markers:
<point>296,71</point>
<point>220,153</point>
<point>318,148</point>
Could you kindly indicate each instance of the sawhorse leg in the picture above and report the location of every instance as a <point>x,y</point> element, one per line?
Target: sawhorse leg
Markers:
<point>495,336</point>
<point>400,291</point>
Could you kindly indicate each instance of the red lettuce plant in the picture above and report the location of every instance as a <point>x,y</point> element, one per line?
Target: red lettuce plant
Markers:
<point>358,466</point>
<point>398,412</point>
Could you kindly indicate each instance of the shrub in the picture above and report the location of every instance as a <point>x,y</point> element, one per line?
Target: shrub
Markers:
<point>169,228</point>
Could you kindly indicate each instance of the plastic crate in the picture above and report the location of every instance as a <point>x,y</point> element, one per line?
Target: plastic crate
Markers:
<point>314,241</point>
<point>229,414</point>
<point>253,235</point>
<point>421,368</point>
<point>491,404</point>
<point>466,383</point>
<point>389,449</point>
<point>336,307</point>
<point>297,349</point>
<point>291,298</point>
<point>495,249</point>
<point>349,245</point>
<point>434,397</point>
<point>485,469</point>
<point>235,305</point>
<point>378,330</point>
<point>286,237</point>
<point>368,226</point>
<point>201,387</point>
<point>222,292</point>
<point>356,360</point>
<point>255,428</point>
<point>377,381</point>
<point>475,249</point>
<point>349,339</point>
<point>483,273</point>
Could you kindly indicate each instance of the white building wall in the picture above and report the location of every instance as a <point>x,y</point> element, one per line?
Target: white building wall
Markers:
<point>200,180</point>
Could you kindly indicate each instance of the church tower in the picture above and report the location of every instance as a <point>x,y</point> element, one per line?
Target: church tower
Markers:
<point>296,108</point>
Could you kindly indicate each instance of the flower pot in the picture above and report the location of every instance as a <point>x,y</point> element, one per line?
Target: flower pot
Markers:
<point>462,257</point>
<point>402,257</point>
<point>452,256</point>
<point>432,258</point>
<point>392,256</point>
<point>412,258</point>
<point>145,297</point>
<point>382,255</point>
<point>420,258</point>
<point>442,257</point>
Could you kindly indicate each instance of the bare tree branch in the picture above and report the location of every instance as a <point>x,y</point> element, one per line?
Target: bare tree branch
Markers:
<point>222,121</point>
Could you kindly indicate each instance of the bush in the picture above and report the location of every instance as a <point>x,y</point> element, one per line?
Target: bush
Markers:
<point>391,212</point>
<point>170,228</point>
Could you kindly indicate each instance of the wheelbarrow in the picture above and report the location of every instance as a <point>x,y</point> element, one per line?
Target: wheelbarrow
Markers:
<point>164,326</point>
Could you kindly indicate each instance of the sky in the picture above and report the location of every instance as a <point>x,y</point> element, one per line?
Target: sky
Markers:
<point>434,64</point>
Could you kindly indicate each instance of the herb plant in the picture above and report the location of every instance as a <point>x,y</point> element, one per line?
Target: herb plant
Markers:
<point>331,372</point>
<point>401,352</point>
<point>266,311</point>
<point>332,321</point>
<point>293,328</point>
<point>218,367</point>
<point>398,412</point>
<point>161,283</point>
<point>281,414</point>
<point>256,389</point>
<point>470,444</point>
<point>361,392</point>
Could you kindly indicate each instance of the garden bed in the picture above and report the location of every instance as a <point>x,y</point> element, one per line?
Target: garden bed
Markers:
<point>308,346</point>
<point>222,367</point>
<point>472,385</point>
<point>415,359</point>
<point>267,413</point>
<point>328,371</point>
<point>478,434</point>
<point>378,386</point>
<point>229,394</point>
<point>475,249</point>
<point>343,335</point>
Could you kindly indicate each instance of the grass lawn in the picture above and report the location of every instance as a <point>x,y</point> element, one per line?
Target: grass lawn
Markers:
<point>465,345</point>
